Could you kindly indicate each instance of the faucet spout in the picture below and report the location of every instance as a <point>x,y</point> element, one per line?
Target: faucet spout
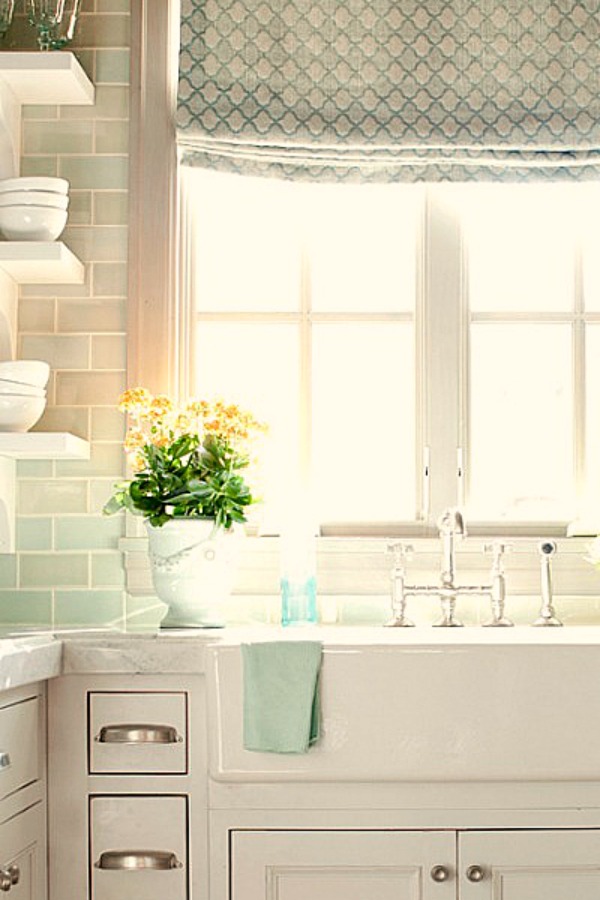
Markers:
<point>450,525</point>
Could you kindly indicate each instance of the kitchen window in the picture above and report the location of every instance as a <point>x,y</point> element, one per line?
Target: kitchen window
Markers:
<point>453,329</point>
<point>413,346</point>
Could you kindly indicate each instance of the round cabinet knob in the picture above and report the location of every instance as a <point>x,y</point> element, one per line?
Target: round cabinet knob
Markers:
<point>475,873</point>
<point>5,880</point>
<point>14,873</point>
<point>440,873</point>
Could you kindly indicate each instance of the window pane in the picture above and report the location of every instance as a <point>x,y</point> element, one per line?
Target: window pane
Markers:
<point>521,389</point>
<point>363,422</point>
<point>592,492</point>
<point>363,246</point>
<point>591,247</point>
<point>257,366</point>
<point>246,250</point>
<point>520,247</point>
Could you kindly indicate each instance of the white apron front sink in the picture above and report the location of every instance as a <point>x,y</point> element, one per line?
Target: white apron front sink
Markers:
<point>418,704</point>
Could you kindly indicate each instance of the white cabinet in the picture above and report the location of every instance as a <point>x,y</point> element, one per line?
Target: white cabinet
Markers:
<point>23,794</point>
<point>530,865</point>
<point>343,865</point>
<point>127,787</point>
<point>415,865</point>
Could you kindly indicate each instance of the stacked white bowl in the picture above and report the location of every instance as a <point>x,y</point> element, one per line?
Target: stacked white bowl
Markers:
<point>33,208</point>
<point>22,393</point>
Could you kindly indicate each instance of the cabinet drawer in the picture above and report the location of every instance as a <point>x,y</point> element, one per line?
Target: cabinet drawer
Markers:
<point>22,854</point>
<point>138,848</point>
<point>138,733</point>
<point>19,745</point>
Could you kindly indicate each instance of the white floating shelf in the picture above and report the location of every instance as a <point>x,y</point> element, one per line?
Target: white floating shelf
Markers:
<point>40,262</point>
<point>43,445</point>
<point>52,77</point>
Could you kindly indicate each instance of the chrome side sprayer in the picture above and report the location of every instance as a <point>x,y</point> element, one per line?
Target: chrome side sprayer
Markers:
<point>547,615</point>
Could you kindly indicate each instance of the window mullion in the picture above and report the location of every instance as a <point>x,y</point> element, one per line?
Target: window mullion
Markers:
<point>444,348</point>
<point>306,367</point>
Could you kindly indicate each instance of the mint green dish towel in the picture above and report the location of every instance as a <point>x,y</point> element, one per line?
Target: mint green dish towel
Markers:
<point>281,695</point>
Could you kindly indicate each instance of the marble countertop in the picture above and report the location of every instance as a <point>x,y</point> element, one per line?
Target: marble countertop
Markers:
<point>28,656</point>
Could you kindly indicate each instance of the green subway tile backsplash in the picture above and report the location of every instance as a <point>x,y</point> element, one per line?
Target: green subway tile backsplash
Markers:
<point>39,165</point>
<point>36,315</point>
<point>8,571</point>
<point>88,532</point>
<point>107,424</point>
<point>61,351</point>
<point>107,570</point>
<point>26,608</point>
<point>54,496</point>
<point>89,608</point>
<point>54,569</point>
<point>41,136</point>
<point>112,67</point>
<point>34,533</point>
<point>92,315</point>
<point>94,172</point>
<point>110,279</point>
<point>80,207</point>
<point>109,351</point>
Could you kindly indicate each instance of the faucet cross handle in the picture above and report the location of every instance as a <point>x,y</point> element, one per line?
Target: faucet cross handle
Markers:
<point>400,551</point>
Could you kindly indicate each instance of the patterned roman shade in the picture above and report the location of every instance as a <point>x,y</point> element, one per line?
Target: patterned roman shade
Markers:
<point>396,90</point>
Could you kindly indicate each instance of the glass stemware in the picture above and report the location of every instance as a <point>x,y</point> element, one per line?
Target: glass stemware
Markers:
<point>55,21</point>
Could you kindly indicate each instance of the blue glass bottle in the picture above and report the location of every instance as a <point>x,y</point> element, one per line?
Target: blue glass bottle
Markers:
<point>298,579</point>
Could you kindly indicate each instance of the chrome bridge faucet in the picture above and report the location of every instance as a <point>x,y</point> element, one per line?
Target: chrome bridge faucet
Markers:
<point>451,527</point>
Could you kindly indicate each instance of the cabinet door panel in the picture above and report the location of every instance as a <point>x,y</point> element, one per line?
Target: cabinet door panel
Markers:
<point>531,865</point>
<point>19,744</point>
<point>22,846</point>
<point>341,865</point>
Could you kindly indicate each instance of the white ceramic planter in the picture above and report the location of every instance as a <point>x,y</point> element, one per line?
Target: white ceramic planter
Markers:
<point>193,569</point>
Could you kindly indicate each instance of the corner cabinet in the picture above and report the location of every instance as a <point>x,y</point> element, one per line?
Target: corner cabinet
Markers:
<point>415,865</point>
<point>40,78</point>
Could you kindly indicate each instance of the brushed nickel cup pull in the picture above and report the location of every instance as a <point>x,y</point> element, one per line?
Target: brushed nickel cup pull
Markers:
<point>475,873</point>
<point>138,734</point>
<point>5,880</point>
<point>440,873</point>
<point>14,873</point>
<point>134,860</point>
<point>4,760</point>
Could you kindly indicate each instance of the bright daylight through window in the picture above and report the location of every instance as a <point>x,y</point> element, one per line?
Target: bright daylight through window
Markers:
<point>412,346</point>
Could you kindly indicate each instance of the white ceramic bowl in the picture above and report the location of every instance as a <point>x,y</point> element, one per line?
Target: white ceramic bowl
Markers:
<point>20,413</point>
<point>35,183</point>
<point>34,198</point>
<point>28,390</point>
<point>32,223</point>
<point>33,372</point>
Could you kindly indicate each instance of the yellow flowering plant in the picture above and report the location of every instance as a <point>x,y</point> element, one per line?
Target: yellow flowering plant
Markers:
<point>186,459</point>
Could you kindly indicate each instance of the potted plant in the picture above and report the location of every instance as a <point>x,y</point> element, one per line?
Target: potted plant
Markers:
<point>188,483</point>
